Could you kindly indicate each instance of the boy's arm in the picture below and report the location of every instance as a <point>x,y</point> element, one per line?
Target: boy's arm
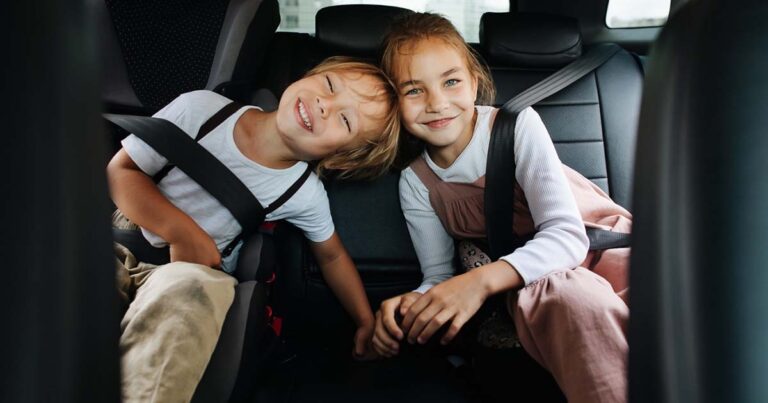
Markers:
<point>138,197</point>
<point>341,275</point>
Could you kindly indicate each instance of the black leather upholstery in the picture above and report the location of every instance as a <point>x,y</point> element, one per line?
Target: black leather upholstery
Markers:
<point>592,122</point>
<point>531,40</point>
<point>345,30</point>
<point>355,30</point>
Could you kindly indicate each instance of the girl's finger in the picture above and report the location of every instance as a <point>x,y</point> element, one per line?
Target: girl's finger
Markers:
<point>434,325</point>
<point>416,308</point>
<point>421,321</point>
<point>456,325</point>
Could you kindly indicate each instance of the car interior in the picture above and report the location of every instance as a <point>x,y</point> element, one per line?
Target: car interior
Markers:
<point>669,126</point>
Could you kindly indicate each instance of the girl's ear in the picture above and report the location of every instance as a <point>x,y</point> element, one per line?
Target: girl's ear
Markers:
<point>475,81</point>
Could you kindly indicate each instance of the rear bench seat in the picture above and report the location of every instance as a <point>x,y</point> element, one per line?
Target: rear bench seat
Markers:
<point>592,123</point>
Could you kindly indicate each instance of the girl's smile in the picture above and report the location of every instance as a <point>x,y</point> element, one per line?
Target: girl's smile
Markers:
<point>439,123</point>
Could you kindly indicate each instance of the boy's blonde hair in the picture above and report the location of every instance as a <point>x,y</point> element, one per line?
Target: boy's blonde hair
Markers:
<point>404,34</point>
<point>375,156</point>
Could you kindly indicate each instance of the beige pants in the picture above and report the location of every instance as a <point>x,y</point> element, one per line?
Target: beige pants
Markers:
<point>173,320</point>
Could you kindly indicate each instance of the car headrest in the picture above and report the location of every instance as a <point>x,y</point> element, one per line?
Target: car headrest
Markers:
<point>530,40</point>
<point>354,29</point>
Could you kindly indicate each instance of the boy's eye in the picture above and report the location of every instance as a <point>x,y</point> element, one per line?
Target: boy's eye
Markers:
<point>346,122</point>
<point>451,82</point>
<point>330,84</point>
<point>413,91</point>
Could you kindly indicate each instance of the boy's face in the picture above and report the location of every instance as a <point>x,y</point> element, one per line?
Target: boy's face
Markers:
<point>329,112</point>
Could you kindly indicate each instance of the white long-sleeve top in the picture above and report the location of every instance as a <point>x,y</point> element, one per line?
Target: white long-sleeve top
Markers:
<point>560,242</point>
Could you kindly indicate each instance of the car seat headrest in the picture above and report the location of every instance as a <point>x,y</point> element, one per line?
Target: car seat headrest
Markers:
<point>155,51</point>
<point>355,29</point>
<point>530,40</point>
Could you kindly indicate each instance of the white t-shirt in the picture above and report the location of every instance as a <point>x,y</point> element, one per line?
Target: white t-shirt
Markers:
<point>308,208</point>
<point>560,242</point>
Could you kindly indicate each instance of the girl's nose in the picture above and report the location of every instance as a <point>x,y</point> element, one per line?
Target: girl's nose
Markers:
<point>437,102</point>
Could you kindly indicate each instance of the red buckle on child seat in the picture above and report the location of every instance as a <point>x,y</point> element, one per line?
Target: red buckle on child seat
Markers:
<point>275,322</point>
<point>277,325</point>
<point>271,278</point>
<point>268,227</point>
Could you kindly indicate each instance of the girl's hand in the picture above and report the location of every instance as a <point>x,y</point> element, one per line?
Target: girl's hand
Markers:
<point>196,247</point>
<point>388,333</point>
<point>363,350</point>
<point>454,300</point>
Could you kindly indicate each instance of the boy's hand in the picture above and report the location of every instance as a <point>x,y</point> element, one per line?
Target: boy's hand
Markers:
<point>387,334</point>
<point>196,247</point>
<point>363,350</point>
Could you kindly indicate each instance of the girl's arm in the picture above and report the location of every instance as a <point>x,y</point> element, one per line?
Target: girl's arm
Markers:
<point>560,242</point>
<point>433,245</point>
<point>138,197</point>
<point>341,275</point>
<point>434,250</point>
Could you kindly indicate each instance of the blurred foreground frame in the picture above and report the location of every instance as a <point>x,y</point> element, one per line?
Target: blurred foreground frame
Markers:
<point>60,317</point>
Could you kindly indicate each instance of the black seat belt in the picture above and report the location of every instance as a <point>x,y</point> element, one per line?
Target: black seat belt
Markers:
<point>500,169</point>
<point>201,166</point>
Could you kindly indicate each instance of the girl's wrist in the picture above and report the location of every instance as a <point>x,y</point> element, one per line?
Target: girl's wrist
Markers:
<point>498,276</point>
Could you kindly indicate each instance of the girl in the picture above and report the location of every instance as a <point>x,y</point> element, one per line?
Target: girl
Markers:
<point>342,114</point>
<point>568,319</point>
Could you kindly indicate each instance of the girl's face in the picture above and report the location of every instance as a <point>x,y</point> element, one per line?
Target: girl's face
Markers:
<point>325,113</point>
<point>437,93</point>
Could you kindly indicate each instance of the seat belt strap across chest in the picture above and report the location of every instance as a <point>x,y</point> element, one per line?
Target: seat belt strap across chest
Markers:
<point>500,169</point>
<point>205,169</point>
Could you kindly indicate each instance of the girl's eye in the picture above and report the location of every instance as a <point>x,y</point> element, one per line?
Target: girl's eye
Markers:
<point>346,122</point>
<point>330,84</point>
<point>451,82</point>
<point>413,91</point>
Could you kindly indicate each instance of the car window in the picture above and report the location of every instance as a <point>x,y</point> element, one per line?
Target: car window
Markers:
<point>299,15</point>
<point>635,14</point>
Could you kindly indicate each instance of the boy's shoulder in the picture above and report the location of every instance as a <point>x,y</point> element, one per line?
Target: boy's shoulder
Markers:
<point>191,109</point>
<point>201,99</point>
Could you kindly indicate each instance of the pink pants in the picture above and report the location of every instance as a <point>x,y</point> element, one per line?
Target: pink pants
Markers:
<point>574,325</point>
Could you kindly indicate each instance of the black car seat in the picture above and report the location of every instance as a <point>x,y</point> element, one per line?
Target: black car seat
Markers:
<point>154,51</point>
<point>699,306</point>
<point>593,122</point>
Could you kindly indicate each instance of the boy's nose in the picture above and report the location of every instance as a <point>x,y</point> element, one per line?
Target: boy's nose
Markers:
<point>325,105</point>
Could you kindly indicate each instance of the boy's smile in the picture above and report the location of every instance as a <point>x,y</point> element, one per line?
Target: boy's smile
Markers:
<point>303,115</point>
